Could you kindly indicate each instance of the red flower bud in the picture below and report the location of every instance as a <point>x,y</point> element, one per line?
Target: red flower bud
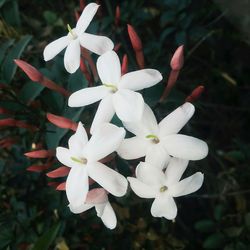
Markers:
<point>196,93</point>
<point>62,122</point>
<point>61,186</point>
<point>124,64</point>
<point>39,168</point>
<point>7,122</point>
<point>59,172</point>
<point>134,38</point>
<point>117,47</point>
<point>40,153</point>
<point>177,60</point>
<point>117,15</point>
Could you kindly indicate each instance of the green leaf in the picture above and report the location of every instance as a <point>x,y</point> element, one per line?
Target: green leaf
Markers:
<point>247,221</point>
<point>219,211</point>
<point>204,226</point>
<point>30,91</point>
<point>214,241</point>
<point>3,49</point>
<point>233,232</point>
<point>10,13</point>
<point>50,17</point>
<point>2,2</point>
<point>9,67</point>
<point>47,238</point>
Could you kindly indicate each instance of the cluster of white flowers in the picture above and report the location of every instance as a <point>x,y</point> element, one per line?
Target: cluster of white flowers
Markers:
<point>166,152</point>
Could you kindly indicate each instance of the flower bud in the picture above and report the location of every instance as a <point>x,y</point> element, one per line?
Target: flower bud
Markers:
<point>134,38</point>
<point>196,93</point>
<point>62,122</point>
<point>59,172</point>
<point>40,153</point>
<point>124,64</point>
<point>177,60</point>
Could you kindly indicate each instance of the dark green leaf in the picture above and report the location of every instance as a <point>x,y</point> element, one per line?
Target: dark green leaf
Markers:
<point>214,241</point>
<point>204,226</point>
<point>47,238</point>
<point>9,67</point>
<point>3,49</point>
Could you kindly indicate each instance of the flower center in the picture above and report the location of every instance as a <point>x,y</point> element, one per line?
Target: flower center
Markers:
<point>111,86</point>
<point>72,33</point>
<point>163,189</point>
<point>153,138</point>
<point>79,160</point>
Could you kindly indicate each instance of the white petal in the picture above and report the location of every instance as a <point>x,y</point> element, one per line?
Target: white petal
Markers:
<point>109,68</point>
<point>150,175</point>
<point>185,147</point>
<point>104,113</point>
<point>175,170</point>
<point>64,156</point>
<point>55,47</point>
<point>164,206</point>
<point>77,185</point>
<point>97,44</point>
<point>86,17</point>
<point>87,96</point>
<point>105,140</point>
<point>140,79</point>
<point>157,156</point>
<point>107,215</point>
<point>187,185</point>
<point>146,126</point>
<point>176,120</point>
<point>109,179</point>
<point>80,208</point>
<point>128,105</point>
<point>133,148</point>
<point>72,56</point>
<point>78,140</point>
<point>141,189</point>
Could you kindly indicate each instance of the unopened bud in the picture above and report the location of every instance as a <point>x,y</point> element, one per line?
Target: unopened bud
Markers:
<point>196,93</point>
<point>177,60</point>
<point>134,38</point>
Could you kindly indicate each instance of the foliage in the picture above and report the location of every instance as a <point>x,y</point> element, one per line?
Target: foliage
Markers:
<point>35,216</point>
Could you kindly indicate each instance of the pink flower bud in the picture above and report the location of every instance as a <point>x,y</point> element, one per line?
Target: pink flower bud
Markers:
<point>62,122</point>
<point>177,60</point>
<point>61,186</point>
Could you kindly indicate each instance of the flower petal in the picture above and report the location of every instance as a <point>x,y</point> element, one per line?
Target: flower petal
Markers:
<point>109,68</point>
<point>87,96</point>
<point>141,189</point>
<point>78,140</point>
<point>146,126</point>
<point>107,215</point>
<point>187,185</point>
<point>105,140</point>
<point>97,44</point>
<point>164,206</point>
<point>140,79</point>
<point>128,105</point>
<point>175,170</point>
<point>77,186</point>
<point>80,208</point>
<point>86,17</point>
<point>149,174</point>
<point>176,120</point>
<point>104,113</point>
<point>133,148</point>
<point>157,156</point>
<point>55,47</point>
<point>185,147</point>
<point>64,156</point>
<point>97,196</point>
<point>72,56</point>
<point>109,179</point>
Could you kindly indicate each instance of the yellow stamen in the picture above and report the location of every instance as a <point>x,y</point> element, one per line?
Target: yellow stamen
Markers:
<point>154,138</point>
<point>79,160</point>
<point>112,86</point>
<point>163,189</point>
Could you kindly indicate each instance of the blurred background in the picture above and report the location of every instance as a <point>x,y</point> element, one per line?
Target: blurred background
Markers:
<point>216,35</point>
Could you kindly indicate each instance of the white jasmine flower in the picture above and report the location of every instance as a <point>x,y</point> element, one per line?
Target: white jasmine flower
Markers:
<point>98,198</point>
<point>151,182</point>
<point>76,37</point>
<point>160,141</point>
<point>117,92</point>
<point>82,157</point>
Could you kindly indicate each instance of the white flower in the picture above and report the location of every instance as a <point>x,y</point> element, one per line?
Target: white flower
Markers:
<point>83,156</point>
<point>77,37</point>
<point>160,141</point>
<point>98,198</point>
<point>117,93</point>
<point>151,182</point>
